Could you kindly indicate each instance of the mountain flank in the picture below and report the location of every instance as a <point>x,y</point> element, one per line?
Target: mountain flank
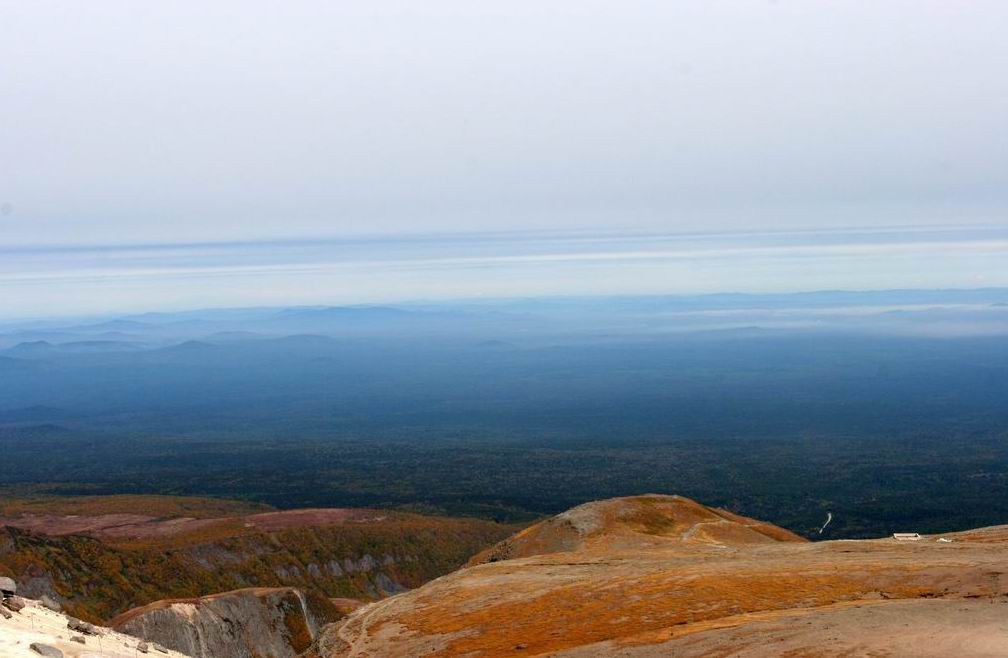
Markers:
<point>655,575</point>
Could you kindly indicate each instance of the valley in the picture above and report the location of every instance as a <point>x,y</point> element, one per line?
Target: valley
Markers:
<point>100,565</point>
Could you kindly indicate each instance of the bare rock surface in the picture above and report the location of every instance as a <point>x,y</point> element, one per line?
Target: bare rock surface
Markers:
<point>7,585</point>
<point>250,623</point>
<point>46,650</point>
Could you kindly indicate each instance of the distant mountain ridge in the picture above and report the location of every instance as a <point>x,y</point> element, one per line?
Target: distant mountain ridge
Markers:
<point>500,319</point>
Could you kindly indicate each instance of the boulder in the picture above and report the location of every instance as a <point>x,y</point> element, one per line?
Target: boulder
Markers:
<point>142,647</point>
<point>50,603</point>
<point>7,586</point>
<point>75,624</point>
<point>79,639</point>
<point>46,650</point>
<point>13,603</point>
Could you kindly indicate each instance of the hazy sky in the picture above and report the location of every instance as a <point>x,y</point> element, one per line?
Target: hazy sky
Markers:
<point>154,122</point>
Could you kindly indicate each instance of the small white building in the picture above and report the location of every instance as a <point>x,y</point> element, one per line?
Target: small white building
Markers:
<point>906,536</point>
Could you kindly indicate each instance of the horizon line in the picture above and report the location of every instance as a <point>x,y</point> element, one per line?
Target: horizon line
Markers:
<point>6,321</point>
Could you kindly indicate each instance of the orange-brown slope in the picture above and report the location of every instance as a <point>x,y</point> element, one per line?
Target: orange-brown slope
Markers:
<point>923,628</point>
<point>634,573</point>
<point>617,520</point>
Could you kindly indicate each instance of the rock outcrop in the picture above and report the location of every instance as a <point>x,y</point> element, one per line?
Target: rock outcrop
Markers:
<point>277,622</point>
<point>46,650</point>
<point>7,586</point>
<point>30,629</point>
<point>654,576</point>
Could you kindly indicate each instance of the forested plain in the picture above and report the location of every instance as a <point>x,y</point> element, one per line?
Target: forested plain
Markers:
<point>886,432</point>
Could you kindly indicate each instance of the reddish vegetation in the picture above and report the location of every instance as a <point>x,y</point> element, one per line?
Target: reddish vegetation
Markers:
<point>119,527</point>
<point>58,526</point>
<point>346,606</point>
<point>302,518</point>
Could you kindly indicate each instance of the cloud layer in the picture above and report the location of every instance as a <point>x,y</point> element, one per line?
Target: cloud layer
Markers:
<point>120,278</point>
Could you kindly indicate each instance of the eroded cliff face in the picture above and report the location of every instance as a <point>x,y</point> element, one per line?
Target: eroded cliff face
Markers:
<point>98,566</point>
<point>277,622</point>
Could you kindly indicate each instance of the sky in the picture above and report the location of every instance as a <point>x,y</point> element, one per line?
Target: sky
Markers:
<point>173,155</point>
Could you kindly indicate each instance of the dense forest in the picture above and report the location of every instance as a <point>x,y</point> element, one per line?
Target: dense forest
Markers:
<point>509,418</point>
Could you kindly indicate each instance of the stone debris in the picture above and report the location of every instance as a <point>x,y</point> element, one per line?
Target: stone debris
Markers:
<point>14,603</point>
<point>39,631</point>
<point>46,650</point>
<point>82,627</point>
